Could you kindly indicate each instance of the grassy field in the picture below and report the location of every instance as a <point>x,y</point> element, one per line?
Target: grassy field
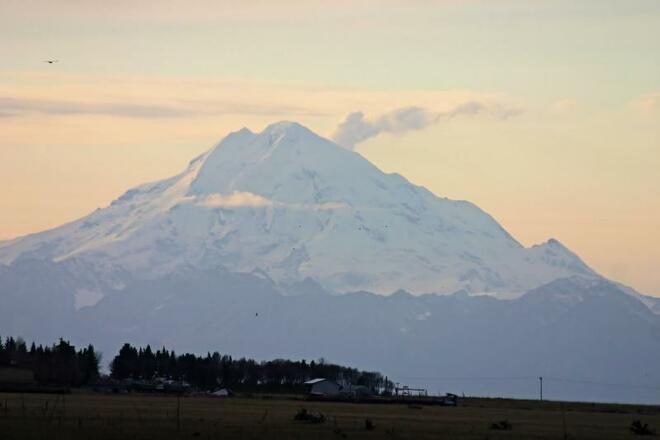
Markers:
<point>135,416</point>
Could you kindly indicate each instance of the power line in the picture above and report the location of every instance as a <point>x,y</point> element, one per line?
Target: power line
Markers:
<point>530,378</point>
<point>466,378</point>
<point>606,384</point>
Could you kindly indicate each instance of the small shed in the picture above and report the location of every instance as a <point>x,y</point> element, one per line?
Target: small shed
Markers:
<point>322,387</point>
<point>222,392</point>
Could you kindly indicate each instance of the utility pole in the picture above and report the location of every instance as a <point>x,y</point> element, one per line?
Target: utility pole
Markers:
<point>541,388</point>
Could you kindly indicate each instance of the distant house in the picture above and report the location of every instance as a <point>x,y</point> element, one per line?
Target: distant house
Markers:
<point>322,387</point>
<point>222,392</point>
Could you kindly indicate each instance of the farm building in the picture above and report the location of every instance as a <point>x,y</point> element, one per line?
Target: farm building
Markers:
<point>222,392</point>
<point>322,387</point>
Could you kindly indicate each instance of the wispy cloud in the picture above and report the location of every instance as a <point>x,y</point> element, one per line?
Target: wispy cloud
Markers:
<point>243,199</point>
<point>18,106</point>
<point>647,104</point>
<point>563,106</point>
<point>6,113</point>
<point>236,199</point>
<point>13,106</point>
<point>132,110</point>
<point>357,127</point>
<point>329,206</point>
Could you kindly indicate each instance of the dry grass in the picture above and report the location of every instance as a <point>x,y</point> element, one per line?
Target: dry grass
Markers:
<point>98,417</point>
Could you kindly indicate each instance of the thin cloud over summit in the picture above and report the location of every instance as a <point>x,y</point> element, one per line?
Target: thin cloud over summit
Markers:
<point>357,127</point>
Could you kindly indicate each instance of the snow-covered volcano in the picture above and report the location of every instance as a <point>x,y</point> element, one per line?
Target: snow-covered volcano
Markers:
<point>292,205</point>
<point>239,251</point>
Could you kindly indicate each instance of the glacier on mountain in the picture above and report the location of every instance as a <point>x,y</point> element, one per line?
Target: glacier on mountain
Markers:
<point>295,205</point>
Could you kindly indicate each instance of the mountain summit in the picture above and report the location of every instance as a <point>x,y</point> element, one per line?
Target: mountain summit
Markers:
<point>294,205</point>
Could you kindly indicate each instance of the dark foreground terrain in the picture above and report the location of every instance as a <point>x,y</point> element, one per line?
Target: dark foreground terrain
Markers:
<point>135,416</point>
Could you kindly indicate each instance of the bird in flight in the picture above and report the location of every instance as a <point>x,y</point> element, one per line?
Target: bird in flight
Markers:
<point>50,61</point>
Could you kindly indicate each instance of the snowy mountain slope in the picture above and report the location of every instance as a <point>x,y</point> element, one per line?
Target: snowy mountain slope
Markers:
<point>294,205</point>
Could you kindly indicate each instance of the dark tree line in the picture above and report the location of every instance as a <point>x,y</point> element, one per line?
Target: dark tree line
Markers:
<point>216,370</point>
<point>60,364</point>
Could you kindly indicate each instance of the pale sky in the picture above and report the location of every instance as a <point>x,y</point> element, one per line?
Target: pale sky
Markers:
<point>546,114</point>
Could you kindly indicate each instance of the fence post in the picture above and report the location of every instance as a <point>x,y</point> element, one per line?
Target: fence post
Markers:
<point>178,413</point>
